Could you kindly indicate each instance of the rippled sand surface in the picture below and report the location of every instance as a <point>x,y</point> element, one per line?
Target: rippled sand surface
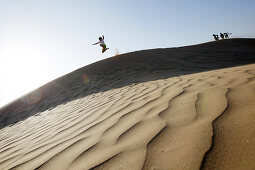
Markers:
<point>203,120</point>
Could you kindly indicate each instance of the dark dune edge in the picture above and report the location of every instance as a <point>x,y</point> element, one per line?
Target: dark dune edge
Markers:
<point>122,70</point>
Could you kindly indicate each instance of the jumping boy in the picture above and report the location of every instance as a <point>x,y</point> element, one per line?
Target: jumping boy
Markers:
<point>102,44</point>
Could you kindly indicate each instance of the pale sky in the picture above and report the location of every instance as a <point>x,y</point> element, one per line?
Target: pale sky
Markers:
<point>41,40</point>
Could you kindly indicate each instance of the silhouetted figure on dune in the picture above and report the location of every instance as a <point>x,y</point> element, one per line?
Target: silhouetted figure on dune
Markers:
<point>216,37</point>
<point>226,35</point>
<point>221,36</point>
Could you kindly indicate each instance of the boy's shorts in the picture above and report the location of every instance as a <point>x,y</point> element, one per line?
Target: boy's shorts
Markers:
<point>103,45</point>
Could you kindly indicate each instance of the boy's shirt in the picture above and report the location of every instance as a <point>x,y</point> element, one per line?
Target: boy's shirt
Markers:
<point>101,42</point>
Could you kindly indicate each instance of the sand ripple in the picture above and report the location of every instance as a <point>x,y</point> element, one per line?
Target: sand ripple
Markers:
<point>204,120</point>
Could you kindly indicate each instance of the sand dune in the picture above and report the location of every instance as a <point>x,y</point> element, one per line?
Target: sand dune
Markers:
<point>188,119</point>
<point>127,69</point>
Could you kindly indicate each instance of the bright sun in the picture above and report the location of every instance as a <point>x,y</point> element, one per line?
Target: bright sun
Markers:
<point>22,69</point>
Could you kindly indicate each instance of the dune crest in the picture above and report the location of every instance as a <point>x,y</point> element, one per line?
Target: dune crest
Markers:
<point>203,120</point>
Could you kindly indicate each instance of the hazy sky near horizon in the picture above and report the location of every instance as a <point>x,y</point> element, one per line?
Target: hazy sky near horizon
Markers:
<point>41,40</point>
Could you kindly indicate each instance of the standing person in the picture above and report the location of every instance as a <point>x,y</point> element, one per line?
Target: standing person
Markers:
<point>216,37</point>
<point>226,35</point>
<point>102,44</point>
<point>222,36</point>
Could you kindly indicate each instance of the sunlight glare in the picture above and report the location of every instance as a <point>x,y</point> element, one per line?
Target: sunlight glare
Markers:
<point>23,68</point>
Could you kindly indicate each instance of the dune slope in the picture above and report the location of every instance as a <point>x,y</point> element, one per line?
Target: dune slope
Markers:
<point>170,120</point>
<point>127,69</point>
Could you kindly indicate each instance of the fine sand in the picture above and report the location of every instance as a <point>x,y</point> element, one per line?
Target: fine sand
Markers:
<point>164,109</point>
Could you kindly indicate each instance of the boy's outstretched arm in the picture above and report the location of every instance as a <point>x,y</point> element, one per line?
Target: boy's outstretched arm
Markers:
<point>95,43</point>
<point>103,37</point>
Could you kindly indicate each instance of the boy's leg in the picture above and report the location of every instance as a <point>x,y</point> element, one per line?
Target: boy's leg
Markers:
<point>104,48</point>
